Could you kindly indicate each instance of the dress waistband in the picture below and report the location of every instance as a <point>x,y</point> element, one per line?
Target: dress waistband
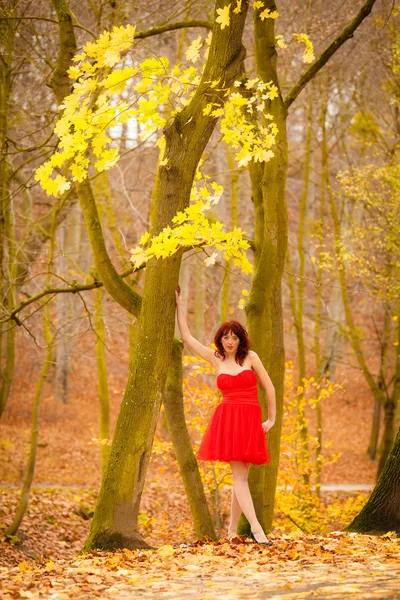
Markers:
<point>246,396</point>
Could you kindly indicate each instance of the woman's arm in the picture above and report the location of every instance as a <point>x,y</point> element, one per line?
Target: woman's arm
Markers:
<point>187,337</point>
<point>268,387</point>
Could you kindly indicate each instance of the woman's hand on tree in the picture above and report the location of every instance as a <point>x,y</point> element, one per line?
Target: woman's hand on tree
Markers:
<point>178,295</point>
<point>267,425</point>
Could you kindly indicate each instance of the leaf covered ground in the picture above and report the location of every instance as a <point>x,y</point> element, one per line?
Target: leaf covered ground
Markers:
<point>337,565</point>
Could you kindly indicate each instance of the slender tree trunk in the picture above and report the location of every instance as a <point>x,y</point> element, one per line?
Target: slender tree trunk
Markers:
<point>389,432</point>
<point>375,428</point>
<point>30,470</point>
<point>382,511</point>
<point>173,404</point>
<point>198,277</point>
<point>264,307</point>
<point>62,353</point>
<point>234,187</point>
<point>102,379</point>
<point>8,289</point>
<point>376,421</point>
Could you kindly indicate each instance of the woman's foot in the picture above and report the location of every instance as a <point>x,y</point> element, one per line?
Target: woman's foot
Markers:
<point>260,538</point>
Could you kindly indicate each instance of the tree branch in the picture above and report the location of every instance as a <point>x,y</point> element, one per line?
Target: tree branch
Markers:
<point>346,34</point>
<point>72,288</point>
<point>140,35</point>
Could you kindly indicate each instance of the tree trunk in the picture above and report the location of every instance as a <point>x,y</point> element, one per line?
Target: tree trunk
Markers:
<point>30,470</point>
<point>389,432</point>
<point>382,511</point>
<point>7,232</point>
<point>173,404</point>
<point>264,307</point>
<point>234,187</point>
<point>198,278</point>
<point>376,423</point>
<point>115,520</point>
<point>102,379</point>
<point>62,349</point>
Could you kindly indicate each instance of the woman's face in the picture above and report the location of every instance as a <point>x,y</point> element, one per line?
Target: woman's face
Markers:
<point>230,343</point>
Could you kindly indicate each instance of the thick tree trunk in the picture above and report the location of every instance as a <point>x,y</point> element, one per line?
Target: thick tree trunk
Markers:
<point>173,404</point>
<point>382,511</point>
<point>115,520</point>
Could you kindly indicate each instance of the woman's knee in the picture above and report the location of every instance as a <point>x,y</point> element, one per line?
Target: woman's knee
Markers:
<point>239,471</point>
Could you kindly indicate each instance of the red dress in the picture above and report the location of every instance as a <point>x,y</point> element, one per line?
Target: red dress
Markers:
<point>234,431</point>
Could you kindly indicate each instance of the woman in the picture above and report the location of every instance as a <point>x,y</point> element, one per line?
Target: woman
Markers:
<point>235,433</point>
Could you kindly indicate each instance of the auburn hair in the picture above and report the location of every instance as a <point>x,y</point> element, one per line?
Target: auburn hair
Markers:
<point>244,341</point>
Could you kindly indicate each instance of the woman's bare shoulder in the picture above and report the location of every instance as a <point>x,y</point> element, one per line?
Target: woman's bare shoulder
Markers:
<point>253,356</point>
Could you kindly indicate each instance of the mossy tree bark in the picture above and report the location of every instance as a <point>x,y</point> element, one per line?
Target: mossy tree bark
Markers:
<point>115,520</point>
<point>382,511</point>
<point>264,308</point>
<point>189,469</point>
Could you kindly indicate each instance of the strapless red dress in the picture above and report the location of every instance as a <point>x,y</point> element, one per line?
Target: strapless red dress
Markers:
<point>234,431</point>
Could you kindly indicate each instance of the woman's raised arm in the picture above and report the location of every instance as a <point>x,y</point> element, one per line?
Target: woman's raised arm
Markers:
<point>187,338</point>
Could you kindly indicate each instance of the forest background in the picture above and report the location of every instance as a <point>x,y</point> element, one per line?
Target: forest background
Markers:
<point>65,356</point>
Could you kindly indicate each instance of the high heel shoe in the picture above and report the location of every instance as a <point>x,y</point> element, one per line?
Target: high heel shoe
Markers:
<point>266,543</point>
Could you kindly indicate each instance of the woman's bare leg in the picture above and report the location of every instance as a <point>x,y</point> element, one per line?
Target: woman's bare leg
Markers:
<point>236,511</point>
<point>241,486</point>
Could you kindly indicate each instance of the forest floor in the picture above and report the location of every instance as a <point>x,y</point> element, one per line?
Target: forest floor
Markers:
<point>44,560</point>
<point>335,566</point>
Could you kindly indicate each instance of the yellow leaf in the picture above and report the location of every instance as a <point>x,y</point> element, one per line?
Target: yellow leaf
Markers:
<point>74,72</point>
<point>23,566</point>
<point>211,259</point>
<point>238,7</point>
<point>280,41</point>
<point>111,57</point>
<point>258,4</point>
<point>192,53</point>
<point>223,16</point>
<point>267,14</point>
<point>166,550</point>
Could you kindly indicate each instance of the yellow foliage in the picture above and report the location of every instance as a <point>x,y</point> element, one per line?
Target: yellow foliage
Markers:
<point>297,499</point>
<point>308,54</point>
<point>191,228</point>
